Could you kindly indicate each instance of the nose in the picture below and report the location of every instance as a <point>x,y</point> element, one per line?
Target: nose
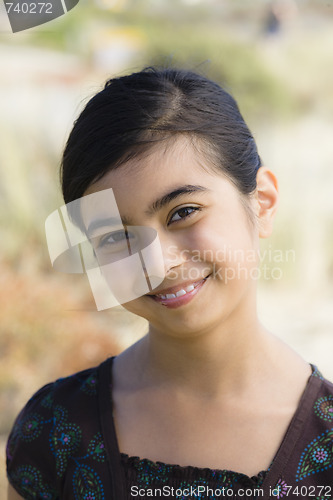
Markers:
<point>161,257</point>
<point>174,254</point>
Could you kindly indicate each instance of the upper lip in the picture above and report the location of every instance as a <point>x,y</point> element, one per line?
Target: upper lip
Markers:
<point>176,288</point>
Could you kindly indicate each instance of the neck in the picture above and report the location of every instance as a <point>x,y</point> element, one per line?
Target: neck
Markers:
<point>227,358</point>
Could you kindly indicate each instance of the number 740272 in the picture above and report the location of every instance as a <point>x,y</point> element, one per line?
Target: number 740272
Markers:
<point>29,8</point>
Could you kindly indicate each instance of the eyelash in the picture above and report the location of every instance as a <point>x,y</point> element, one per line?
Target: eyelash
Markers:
<point>104,241</point>
<point>194,209</point>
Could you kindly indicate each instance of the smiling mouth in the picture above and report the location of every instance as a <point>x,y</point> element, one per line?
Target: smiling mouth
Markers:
<point>179,293</point>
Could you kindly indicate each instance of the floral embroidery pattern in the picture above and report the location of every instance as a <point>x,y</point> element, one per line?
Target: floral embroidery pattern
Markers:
<point>31,427</point>
<point>199,482</point>
<point>89,386</point>
<point>320,455</point>
<point>96,449</point>
<point>150,474</point>
<point>27,430</point>
<point>64,440</point>
<point>281,489</point>
<point>31,484</point>
<point>47,401</point>
<point>224,479</point>
<point>316,373</point>
<point>324,408</point>
<point>317,456</point>
<point>87,485</point>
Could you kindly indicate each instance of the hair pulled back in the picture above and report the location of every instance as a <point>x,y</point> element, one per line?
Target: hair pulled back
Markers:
<point>132,112</point>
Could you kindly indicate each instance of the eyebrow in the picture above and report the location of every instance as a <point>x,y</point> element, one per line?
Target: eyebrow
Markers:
<point>172,195</point>
<point>107,222</point>
<point>152,209</point>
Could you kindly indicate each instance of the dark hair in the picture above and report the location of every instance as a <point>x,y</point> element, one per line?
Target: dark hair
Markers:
<point>132,112</point>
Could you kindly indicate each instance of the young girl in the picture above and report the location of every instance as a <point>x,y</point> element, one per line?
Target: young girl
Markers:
<point>209,403</point>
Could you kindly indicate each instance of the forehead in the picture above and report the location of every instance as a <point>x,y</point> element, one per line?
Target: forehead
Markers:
<point>166,165</point>
<point>129,192</point>
<point>140,183</point>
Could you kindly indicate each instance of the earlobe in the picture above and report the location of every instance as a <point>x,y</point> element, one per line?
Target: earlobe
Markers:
<point>267,196</point>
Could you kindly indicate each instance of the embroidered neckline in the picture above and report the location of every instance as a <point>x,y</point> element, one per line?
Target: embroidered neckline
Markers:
<point>178,471</point>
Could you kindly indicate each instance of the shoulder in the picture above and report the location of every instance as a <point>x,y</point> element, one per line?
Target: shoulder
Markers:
<point>323,388</point>
<point>314,449</point>
<point>322,407</point>
<point>320,402</point>
<point>51,428</point>
<point>60,396</point>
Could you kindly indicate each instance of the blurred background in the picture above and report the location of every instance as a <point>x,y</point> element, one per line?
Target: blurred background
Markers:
<point>276,58</point>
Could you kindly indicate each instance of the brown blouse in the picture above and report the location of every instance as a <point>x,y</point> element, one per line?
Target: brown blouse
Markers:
<point>63,446</point>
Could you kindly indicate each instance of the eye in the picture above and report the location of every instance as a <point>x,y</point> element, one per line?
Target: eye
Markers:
<point>115,240</point>
<point>183,213</point>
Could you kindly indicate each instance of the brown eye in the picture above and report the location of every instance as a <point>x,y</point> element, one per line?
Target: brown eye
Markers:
<point>182,213</point>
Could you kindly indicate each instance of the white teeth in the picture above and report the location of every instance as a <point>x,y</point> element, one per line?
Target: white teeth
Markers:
<point>180,293</point>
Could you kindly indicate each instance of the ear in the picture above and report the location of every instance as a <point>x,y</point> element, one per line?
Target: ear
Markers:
<point>267,197</point>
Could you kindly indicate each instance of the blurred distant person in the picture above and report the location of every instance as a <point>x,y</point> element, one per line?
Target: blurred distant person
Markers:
<point>278,14</point>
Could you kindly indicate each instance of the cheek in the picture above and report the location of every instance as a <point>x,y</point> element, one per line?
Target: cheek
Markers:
<point>228,246</point>
<point>221,237</point>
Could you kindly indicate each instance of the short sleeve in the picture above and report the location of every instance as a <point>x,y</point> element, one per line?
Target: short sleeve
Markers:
<point>30,463</point>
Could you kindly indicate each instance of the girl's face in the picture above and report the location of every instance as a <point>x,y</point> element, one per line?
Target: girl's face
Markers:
<point>208,241</point>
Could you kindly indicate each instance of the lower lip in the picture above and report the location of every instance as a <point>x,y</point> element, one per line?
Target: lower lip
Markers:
<point>182,300</point>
